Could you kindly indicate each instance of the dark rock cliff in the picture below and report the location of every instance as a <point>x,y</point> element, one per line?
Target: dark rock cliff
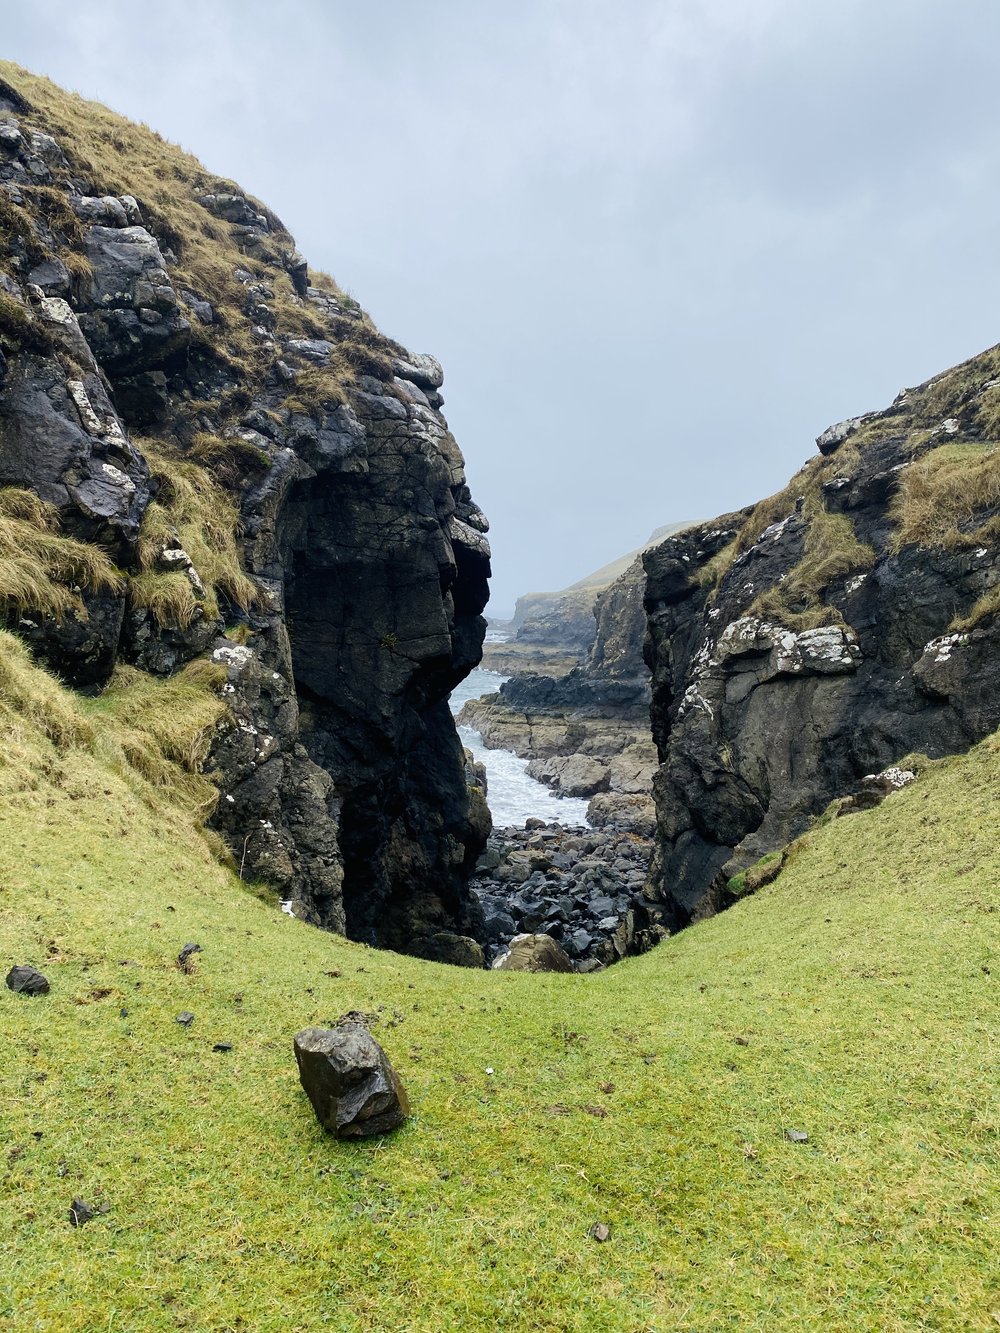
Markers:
<point>226,459</point>
<point>817,638</point>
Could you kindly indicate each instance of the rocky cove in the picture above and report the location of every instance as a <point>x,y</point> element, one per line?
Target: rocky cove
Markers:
<point>217,472</point>
<point>545,870</point>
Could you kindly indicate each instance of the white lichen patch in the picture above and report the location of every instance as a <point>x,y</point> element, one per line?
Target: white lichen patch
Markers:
<point>89,419</point>
<point>775,531</point>
<point>118,478</point>
<point>694,699</point>
<point>893,777</point>
<point>233,654</point>
<point>825,650</point>
<point>940,650</point>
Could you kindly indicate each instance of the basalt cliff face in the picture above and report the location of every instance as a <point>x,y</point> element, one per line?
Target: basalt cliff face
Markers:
<point>208,454</point>
<point>805,644</point>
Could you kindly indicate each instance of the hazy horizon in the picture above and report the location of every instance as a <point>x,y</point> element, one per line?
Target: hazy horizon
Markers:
<point>658,247</point>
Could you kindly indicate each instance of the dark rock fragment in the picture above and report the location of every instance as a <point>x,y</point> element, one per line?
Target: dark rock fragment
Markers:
<point>347,1077</point>
<point>81,1212</point>
<point>26,980</point>
<point>185,959</point>
<point>600,1232</point>
<point>185,1018</point>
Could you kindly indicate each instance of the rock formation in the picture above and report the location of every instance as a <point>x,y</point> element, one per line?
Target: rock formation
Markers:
<point>206,451</point>
<point>803,645</point>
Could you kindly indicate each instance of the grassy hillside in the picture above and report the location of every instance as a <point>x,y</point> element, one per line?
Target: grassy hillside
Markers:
<point>854,999</point>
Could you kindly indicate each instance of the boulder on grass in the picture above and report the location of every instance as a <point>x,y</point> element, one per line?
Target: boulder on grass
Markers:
<point>353,1088</point>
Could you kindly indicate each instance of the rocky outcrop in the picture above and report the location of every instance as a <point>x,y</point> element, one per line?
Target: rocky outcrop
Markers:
<point>804,645</point>
<point>270,484</point>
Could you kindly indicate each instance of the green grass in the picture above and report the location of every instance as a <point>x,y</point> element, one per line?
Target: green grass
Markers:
<point>854,998</point>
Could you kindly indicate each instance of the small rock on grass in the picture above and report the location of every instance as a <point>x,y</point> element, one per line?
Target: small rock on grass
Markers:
<point>185,959</point>
<point>796,1136</point>
<point>80,1212</point>
<point>600,1231</point>
<point>26,980</point>
<point>186,1018</point>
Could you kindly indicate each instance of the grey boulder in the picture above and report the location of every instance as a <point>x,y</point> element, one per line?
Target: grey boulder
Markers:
<point>533,953</point>
<point>347,1077</point>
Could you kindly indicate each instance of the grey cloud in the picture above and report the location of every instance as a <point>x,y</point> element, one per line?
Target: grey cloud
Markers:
<point>658,245</point>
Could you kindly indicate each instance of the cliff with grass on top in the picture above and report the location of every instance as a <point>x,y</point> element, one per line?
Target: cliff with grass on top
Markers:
<point>806,643</point>
<point>550,633</point>
<point>215,469</point>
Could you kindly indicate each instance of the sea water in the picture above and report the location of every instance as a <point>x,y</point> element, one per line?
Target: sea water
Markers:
<point>513,796</point>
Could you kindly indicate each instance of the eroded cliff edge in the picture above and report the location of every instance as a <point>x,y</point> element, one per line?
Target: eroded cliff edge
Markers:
<point>209,455</point>
<point>816,638</point>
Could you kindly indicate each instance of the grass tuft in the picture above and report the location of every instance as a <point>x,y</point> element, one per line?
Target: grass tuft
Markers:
<point>949,498</point>
<point>41,571</point>
<point>192,510</point>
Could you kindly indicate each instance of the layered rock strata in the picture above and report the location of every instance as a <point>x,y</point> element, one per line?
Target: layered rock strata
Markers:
<point>271,485</point>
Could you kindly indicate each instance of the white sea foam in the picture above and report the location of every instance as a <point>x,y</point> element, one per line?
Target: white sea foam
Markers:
<point>513,796</point>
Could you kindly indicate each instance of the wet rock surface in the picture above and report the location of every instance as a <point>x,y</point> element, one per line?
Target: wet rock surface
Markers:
<point>583,888</point>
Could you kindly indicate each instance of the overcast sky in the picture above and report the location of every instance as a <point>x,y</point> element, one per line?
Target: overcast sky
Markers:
<point>658,245</point>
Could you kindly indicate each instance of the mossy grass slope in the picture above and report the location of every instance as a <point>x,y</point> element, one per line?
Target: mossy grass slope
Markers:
<point>855,999</point>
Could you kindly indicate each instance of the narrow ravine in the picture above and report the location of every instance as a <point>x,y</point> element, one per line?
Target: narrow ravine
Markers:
<point>512,795</point>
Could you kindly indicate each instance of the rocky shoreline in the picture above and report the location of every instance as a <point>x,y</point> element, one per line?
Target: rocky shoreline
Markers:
<point>581,887</point>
